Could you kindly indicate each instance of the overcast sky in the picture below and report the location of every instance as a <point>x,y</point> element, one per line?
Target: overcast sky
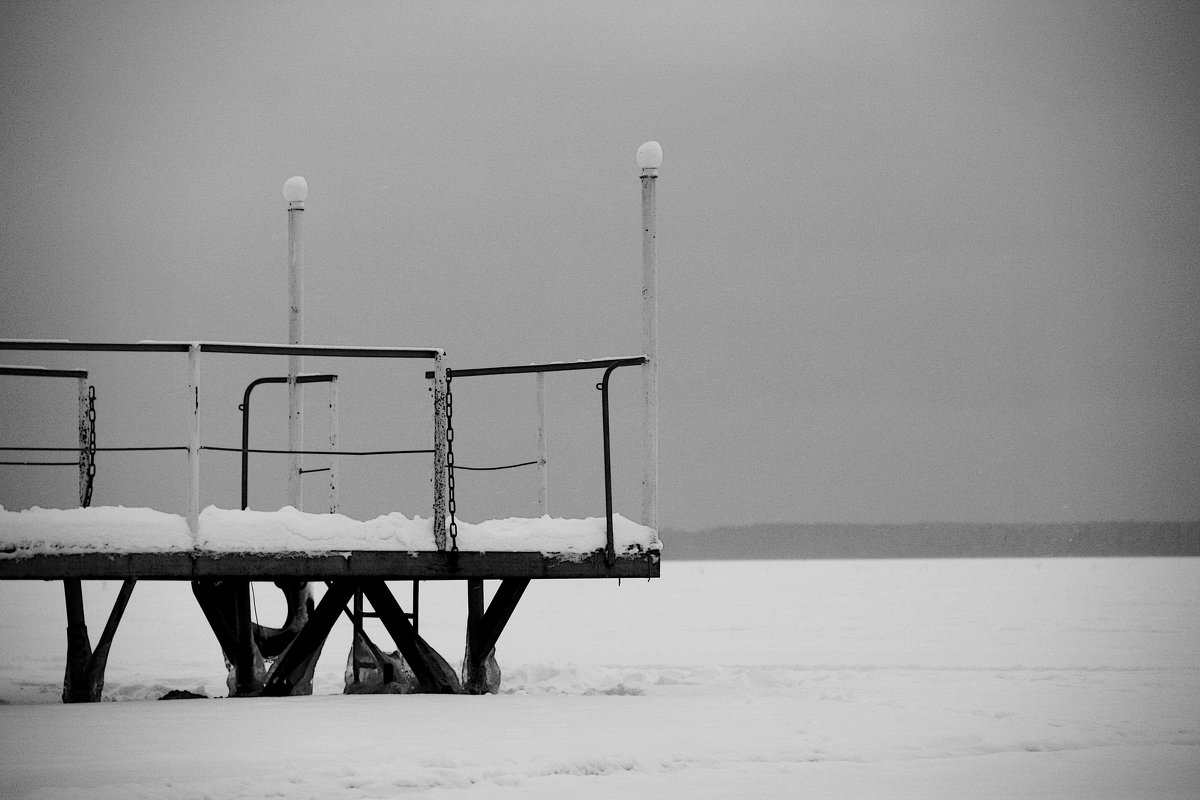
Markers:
<point>918,261</point>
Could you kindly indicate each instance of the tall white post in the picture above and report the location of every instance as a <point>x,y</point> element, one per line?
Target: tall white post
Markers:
<point>543,484</point>
<point>295,191</point>
<point>649,158</point>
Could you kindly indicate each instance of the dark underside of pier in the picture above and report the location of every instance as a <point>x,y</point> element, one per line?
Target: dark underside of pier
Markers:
<point>221,584</point>
<point>386,564</point>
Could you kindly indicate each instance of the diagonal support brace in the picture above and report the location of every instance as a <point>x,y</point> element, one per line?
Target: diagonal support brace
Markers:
<point>430,669</point>
<point>84,679</point>
<point>291,666</point>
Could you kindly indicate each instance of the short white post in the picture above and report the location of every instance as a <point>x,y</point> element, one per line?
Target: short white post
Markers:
<point>543,485</point>
<point>440,442</point>
<point>649,158</point>
<point>295,191</point>
<point>193,505</point>
<point>334,502</point>
<point>84,426</point>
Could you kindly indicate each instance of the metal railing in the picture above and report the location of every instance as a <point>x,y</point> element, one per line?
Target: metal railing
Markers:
<point>608,365</point>
<point>440,377</point>
<point>194,350</point>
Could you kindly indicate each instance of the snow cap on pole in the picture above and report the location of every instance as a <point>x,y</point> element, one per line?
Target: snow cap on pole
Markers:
<point>649,156</point>
<point>295,190</point>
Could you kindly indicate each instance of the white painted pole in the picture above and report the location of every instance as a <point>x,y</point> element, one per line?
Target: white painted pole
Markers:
<point>334,502</point>
<point>295,191</point>
<point>440,477</point>
<point>83,439</point>
<point>193,506</point>
<point>543,484</point>
<point>649,158</point>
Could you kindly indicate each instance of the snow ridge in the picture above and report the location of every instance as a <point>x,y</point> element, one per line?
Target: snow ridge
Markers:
<point>41,531</point>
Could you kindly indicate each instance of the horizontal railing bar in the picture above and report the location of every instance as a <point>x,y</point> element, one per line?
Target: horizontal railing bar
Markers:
<point>63,345</point>
<point>556,366</point>
<point>315,452</point>
<point>43,372</point>
<point>219,449</point>
<point>334,351</point>
<point>97,449</point>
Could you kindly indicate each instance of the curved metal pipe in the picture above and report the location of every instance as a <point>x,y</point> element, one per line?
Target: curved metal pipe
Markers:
<point>245,409</point>
<point>610,552</point>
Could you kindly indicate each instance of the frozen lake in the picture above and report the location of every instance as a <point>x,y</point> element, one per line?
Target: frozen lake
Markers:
<point>1071,678</point>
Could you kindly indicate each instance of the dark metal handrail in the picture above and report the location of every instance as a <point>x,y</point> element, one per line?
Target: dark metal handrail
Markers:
<point>42,372</point>
<point>245,409</point>
<point>63,345</point>
<point>553,366</point>
<point>608,364</point>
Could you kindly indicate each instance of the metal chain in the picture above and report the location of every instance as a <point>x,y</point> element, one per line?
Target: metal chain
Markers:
<point>450,504</point>
<point>87,459</point>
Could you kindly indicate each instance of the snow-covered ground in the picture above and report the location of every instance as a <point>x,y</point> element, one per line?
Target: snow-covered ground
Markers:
<point>847,679</point>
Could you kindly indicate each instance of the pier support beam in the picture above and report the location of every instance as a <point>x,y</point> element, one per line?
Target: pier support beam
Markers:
<point>433,674</point>
<point>296,664</point>
<point>431,670</point>
<point>84,679</point>
<point>484,629</point>
<point>226,605</point>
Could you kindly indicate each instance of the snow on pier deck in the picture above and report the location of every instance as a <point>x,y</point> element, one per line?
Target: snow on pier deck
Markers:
<point>115,542</point>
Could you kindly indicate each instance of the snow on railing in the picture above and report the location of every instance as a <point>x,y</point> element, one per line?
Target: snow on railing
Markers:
<point>439,376</point>
<point>196,348</point>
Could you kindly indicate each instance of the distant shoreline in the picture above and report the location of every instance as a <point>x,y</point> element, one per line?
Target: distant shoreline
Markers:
<point>934,540</point>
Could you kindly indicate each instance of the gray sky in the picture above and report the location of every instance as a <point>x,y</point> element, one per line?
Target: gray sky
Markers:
<point>918,261</point>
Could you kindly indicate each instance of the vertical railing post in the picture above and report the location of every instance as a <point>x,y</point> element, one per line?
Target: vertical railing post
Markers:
<point>543,483</point>
<point>193,505</point>
<point>440,480</point>
<point>609,538</point>
<point>245,409</point>
<point>334,502</point>
<point>84,456</point>
<point>649,158</point>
